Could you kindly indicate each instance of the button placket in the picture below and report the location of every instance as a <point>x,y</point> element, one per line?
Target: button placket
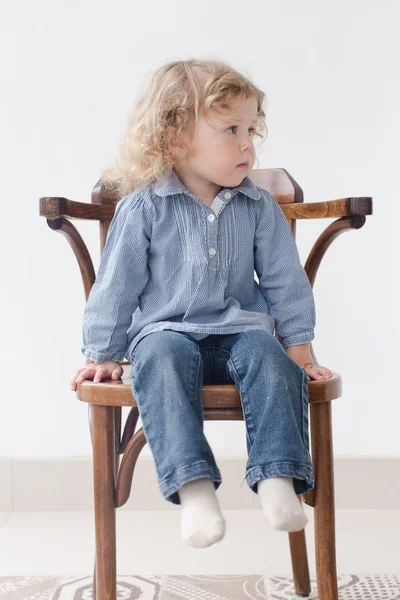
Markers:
<point>212,231</point>
<point>217,206</point>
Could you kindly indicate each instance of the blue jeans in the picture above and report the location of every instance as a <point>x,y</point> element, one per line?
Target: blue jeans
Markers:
<point>168,370</point>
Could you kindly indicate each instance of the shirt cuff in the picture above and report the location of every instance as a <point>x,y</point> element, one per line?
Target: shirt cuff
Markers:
<point>101,356</point>
<point>298,338</point>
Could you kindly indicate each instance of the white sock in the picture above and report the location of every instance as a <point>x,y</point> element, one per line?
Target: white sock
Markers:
<point>280,505</point>
<point>202,522</point>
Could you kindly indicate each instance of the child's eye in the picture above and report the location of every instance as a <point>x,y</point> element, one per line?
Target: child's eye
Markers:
<point>251,130</point>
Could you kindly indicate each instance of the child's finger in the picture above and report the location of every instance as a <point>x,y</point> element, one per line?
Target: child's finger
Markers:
<point>317,372</point>
<point>75,375</point>
<point>117,373</point>
<point>313,372</point>
<point>326,374</point>
<point>98,375</point>
<point>85,374</point>
<point>80,375</point>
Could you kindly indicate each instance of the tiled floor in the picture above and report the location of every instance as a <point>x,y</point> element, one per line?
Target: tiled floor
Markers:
<point>194,587</point>
<point>62,544</point>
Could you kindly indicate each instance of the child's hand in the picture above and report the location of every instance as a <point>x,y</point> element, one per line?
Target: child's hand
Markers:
<point>317,371</point>
<point>108,369</point>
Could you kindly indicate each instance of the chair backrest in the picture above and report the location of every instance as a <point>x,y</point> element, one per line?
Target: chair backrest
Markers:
<point>277,181</point>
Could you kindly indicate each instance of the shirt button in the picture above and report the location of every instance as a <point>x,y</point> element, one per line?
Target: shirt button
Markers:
<point>211,217</point>
<point>212,251</point>
<point>227,195</point>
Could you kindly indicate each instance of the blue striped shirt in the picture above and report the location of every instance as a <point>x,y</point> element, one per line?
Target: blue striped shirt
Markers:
<point>170,261</point>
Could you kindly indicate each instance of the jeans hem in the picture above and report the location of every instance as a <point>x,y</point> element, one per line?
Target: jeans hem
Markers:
<point>302,475</point>
<point>170,486</point>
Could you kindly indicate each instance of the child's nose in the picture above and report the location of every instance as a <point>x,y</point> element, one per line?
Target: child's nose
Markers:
<point>245,144</point>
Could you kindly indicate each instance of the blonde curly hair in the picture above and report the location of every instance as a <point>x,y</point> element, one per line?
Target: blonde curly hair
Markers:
<point>176,95</point>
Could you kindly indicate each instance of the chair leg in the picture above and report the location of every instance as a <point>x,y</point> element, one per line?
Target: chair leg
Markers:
<point>324,509</point>
<point>298,553</point>
<point>103,441</point>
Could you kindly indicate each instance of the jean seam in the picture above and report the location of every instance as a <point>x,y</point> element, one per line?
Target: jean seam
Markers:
<point>303,373</point>
<point>280,462</point>
<point>181,468</point>
<point>197,397</point>
<point>169,487</point>
<point>303,481</point>
<point>304,406</point>
<point>194,368</point>
<point>247,416</point>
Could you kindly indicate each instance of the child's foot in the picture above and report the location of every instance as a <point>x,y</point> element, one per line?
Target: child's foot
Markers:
<point>202,521</point>
<point>280,505</point>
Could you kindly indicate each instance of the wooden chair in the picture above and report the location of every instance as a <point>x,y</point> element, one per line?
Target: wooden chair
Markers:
<point>113,480</point>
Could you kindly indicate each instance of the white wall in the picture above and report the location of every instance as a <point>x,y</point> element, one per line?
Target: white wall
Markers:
<point>70,73</point>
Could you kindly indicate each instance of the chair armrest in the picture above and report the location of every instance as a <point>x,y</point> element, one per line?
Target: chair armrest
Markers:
<point>343,207</point>
<point>55,208</point>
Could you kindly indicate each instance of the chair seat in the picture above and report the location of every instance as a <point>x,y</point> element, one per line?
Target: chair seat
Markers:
<point>216,396</point>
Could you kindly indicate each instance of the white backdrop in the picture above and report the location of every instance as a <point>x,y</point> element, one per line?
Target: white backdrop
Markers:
<point>70,73</point>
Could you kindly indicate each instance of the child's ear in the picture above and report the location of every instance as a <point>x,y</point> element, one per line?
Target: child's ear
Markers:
<point>176,144</point>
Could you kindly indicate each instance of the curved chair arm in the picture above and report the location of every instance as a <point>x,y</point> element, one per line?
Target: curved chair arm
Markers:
<point>352,211</point>
<point>54,208</point>
<point>325,240</point>
<point>79,248</point>
<point>322,244</point>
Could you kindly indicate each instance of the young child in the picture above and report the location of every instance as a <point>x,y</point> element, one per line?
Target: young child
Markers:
<point>175,295</point>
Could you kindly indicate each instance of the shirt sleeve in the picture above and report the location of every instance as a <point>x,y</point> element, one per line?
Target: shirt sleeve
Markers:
<point>282,279</point>
<point>122,275</point>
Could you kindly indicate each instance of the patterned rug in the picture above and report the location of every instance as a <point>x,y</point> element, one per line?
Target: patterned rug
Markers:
<point>194,587</point>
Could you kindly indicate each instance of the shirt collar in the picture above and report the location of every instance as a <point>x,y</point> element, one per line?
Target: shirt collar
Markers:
<point>171,184</point>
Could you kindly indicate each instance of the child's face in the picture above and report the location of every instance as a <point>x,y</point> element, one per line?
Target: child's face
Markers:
<point>221,143</point>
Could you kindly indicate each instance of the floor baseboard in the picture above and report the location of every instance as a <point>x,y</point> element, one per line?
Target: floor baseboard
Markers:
<point>67,484</point>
